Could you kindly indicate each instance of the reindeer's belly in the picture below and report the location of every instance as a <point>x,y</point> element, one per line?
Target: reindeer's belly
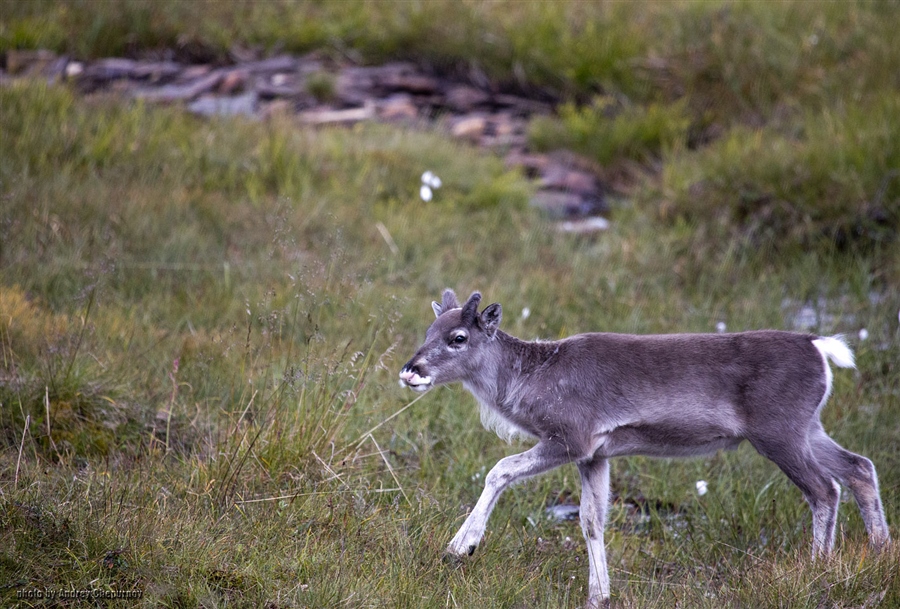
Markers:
<point>667,441</point>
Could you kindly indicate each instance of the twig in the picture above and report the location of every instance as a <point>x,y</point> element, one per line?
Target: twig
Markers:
<point>171,400</point>
<point>387,238</point>
<point>334,474</point>
<point>21,446</point>
<point>363,437</point>
<point>49,436</point>
<point>310,494</point>
<point>390,469</point>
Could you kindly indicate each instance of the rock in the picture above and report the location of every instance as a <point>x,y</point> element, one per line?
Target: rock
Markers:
<point>562,513</point>
<point>156,71</point>
<point>56,69</point>
<point>109,69</point>
<point>470,127</point>
<point>280,85</point>
<point>398,107</point>
<point>324,117</point>
<point>277,107</point>
<point>280,63</point>
<point>233,81</point>
<point>463,98</point>
<point>28,62</point>
<point>557,177</point>
<point>193,72</point>
<point>74,69</point>
<point>412,83</point>
<point>522,105</point>
<point>210,105</point>
<point>182,92</point>
<point>585,226</point>
<point>560,204</point>
<point>533,164</point>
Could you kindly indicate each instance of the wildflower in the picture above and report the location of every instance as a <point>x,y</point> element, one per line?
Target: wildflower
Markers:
<point>429,179</point>
<point>430,183</point>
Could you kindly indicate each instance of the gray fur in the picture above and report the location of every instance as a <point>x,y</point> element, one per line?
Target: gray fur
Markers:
<point>591,397</point>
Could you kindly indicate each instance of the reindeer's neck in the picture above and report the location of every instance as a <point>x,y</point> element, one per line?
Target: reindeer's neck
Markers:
<point>510,361</point>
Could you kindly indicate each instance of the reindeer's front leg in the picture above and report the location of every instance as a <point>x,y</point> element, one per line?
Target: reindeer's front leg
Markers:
<point>594,502</point>
<point>540,458</point>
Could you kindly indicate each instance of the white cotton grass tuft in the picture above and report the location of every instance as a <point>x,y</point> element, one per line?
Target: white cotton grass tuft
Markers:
<point>526,313</point>
<point>430,179</point>
<point>721,327</point>
<point>701,487</point>
<point>430,183</point>
<point>863,334</point>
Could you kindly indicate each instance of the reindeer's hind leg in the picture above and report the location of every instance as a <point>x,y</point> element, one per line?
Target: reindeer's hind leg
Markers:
<point>857,473</point>
<point>796,459</point>
<point>594,502</point>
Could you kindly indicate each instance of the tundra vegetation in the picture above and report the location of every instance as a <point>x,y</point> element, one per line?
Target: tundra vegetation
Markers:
<point>201,321</point>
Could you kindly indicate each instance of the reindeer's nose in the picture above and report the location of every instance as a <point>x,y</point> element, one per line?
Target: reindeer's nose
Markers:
<point>409,368</point>
<point>411,376</point>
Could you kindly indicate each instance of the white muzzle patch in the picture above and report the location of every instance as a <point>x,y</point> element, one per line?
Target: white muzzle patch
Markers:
<point>414,381</point>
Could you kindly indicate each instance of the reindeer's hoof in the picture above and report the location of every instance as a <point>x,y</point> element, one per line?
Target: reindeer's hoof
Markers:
<point>454,558</point>
<point>595,602</point>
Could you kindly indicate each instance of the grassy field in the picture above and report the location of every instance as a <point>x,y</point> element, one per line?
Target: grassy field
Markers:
<point>201,322</point>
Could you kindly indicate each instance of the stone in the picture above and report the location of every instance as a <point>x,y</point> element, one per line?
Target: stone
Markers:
<point>233,81</point>
<point>398,107</point>
<point>585,226</point>
<point>328,116</point>
<point>533,164</point>
<point>181,92</point>
<point>20,61</point>
<point>463,98</point>
<point>470,127</point>
<point>562,512</point>
<point>557,177</point>
<point>276,107</point>
<point>559,204</point>
<point>412,83</point>
<point>156,71</point>
<point>212,105</point>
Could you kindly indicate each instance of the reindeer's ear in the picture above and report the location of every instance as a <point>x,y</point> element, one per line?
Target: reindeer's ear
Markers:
<point>436,308</point>
<point>489,320</point>
<point>470,309</point>
<point>448,301</point>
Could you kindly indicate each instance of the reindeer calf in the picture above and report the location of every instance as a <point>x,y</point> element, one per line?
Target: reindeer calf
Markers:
<point>590,397</point>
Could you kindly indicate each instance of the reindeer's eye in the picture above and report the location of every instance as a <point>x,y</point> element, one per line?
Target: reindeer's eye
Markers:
<point>459,339</point>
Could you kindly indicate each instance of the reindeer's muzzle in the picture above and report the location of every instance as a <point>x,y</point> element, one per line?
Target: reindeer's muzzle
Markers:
<point>411,376</point>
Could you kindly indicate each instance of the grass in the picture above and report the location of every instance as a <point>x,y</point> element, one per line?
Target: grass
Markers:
<point>640,83</point>
<point>201,321</point>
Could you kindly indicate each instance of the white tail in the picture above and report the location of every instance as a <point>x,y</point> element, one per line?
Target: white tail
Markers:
<point>835,349</point>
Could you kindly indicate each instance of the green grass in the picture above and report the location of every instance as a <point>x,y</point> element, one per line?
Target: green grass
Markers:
<point>757,88</point>
<point>201,322</point>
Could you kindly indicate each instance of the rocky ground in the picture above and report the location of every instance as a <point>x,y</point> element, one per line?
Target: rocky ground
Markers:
<point>322,92</point>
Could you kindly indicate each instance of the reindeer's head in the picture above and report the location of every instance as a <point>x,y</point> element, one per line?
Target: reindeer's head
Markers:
<point>454,347</point>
